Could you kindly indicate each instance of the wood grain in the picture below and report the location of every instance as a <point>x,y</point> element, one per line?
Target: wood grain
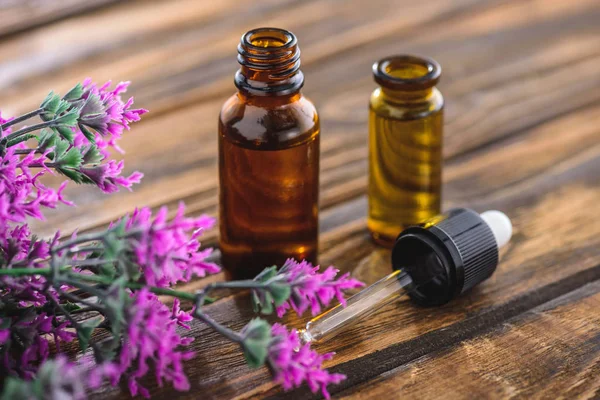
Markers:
<point>553,348</point>
<point>522,91</point>
<point>20,15</point>
<point>532,271</point>
<point>344,121</point>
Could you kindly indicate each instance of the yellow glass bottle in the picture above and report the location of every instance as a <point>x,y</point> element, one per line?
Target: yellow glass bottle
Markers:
<point>268,159</point>
<point>405,145</point>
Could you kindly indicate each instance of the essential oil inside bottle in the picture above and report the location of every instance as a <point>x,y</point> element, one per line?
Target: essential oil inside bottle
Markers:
<point>405,146</point>
<point>268,159</point>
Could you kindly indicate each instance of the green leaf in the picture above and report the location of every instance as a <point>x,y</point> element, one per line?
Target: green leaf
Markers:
<point>50,105</point>
<point>119,229</point>
<point>70,159</point>
<point>60,147</point>
<point>116,303</point>
<point>280,291</point>
<point>46,139</point>
<point>112,246</point>
<point>62,107</point>
<point>256,338</point>
<point>84,332</point>
<point>88,135</point>
<point>255,301</point>
<point>65,132</point>
<point>92,155</point>
<point>17,389</point>
<point>70,306</point>
<point>75,93</point>
<point>68,119</point>
<point>108,270</point>
<point>266,304</point>
<point>73,175</point>
<point>266,274</point>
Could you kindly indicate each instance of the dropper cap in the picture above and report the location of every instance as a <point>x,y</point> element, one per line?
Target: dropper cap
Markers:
<point>451,253</point>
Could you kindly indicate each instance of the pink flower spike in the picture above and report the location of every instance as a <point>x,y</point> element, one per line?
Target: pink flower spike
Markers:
<point>168,252</point>
<point>311,289</point>
<point>180,316</point>
<point>291,368</point>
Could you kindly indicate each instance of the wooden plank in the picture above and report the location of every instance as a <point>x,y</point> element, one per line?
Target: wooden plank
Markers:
<point>551,351</point>
<point>21,15</point>
<point>558,77</point>
<point>548,209</point>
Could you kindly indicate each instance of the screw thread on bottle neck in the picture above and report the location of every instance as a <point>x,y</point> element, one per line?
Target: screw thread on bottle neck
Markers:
<point>270,63</point>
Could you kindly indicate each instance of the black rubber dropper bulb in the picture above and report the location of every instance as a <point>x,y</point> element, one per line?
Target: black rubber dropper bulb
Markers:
<point>433,263</point>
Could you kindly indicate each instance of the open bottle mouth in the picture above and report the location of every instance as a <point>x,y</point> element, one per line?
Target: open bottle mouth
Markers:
<point>270,60</point>
<point>269,38</point>
<point>407,72</point>
<point>270,49</point>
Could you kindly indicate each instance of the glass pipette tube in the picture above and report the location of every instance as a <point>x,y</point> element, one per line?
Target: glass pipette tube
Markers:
<point>446,256</point>
<point>362,304</point>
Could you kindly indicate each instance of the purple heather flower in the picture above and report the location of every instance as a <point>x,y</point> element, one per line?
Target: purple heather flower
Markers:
<point>105,112</point>
<point>291,367</point>
<point>31,334</point>
<point>61,379</point>
<point>108,176</point>
<point>165,250</point>
<point>21,193</point>
<point>180,316</point>
<point>151,338</point>
<point>19,248</point>
<point>311,288</point>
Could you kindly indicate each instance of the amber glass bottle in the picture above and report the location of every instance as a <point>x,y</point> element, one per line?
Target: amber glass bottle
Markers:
<point>405,145</point>
<point>268,159</point>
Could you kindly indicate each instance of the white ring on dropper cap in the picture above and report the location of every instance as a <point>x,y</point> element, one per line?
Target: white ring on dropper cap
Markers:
<point>500,225</point>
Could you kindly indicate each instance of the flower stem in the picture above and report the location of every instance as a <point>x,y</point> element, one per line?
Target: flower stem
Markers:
<point>228,333</point>
<point>21,118</point>
<point>77,279</point>
<point>27,151</point>
<point>28,129</point>
<point>78,240</point>
<point>245,284</point>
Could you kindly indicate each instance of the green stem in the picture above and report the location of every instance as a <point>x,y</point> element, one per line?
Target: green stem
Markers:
<point>27,151</point>
<point>75,299</point>
<point>16,272</point>
<point>28,129</point>
<point>245,284</point>
<point>86,249</point>
<point>78,240</point>
<point>135,285</point>
<point>73,322</point>
<point>228,333</point>
<point>21,118</point>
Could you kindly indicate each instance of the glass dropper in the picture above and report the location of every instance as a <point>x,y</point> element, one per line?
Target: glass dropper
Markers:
<point>434,262</point>
<point>359,306</point>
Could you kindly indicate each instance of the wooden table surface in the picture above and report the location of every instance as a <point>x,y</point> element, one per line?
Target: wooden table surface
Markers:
<point>521,80</point>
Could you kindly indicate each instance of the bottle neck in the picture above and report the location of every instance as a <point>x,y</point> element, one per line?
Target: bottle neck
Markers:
<point>407,79</point>
<point>407,96</point>
<point>270,63</point>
